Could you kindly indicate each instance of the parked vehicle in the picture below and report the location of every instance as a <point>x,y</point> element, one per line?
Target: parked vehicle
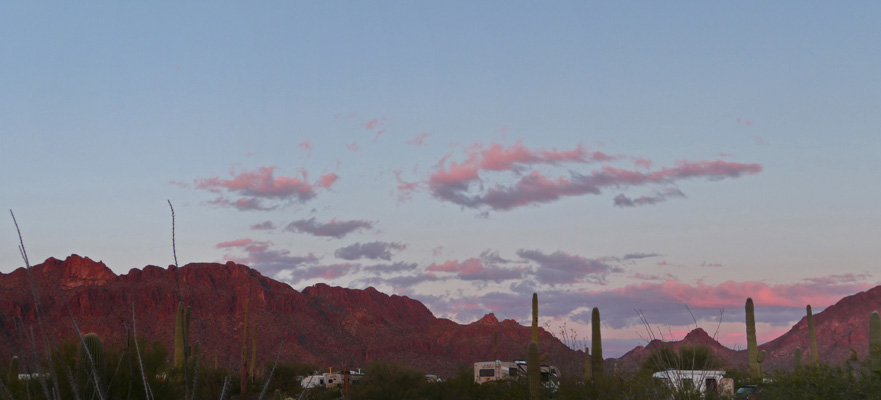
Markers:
<point>747,392</point>
<point>492,371</point>
<point>702,381</point>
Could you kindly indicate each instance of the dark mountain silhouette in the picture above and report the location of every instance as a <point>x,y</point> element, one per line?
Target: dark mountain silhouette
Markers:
<point>325,325</point>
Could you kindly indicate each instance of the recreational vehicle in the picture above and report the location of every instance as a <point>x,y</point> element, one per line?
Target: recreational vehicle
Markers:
<point>702,381</point>
<point>490,371</point>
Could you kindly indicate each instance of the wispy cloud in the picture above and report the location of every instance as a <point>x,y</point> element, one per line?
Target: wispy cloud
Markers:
<point>371,250</point>
<point>261,255</point>
<point>623,201</point>
<point>333,228</point>
<point>464,183</point>
<point>474,269</point>
<point>263,226</point>
<point>562,268</point>
<point>419,139</point>
<point>261,185</point>
<point>391,268</point>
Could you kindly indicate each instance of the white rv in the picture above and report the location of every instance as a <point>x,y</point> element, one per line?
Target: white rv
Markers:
<point>489,371</point>
<point>703,381</point>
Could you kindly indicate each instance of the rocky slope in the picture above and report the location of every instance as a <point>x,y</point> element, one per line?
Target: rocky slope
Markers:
<point>324,325</point>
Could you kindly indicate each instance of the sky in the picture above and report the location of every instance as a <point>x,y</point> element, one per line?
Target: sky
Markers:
<point>662,162</point>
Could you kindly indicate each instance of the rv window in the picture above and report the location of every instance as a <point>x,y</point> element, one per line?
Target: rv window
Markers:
<point>711,384</point>
<point>487,373</point>
<point>512,371</point>
<point>545,377</point>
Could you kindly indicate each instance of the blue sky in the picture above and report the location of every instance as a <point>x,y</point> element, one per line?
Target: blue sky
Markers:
<point>462,154</point>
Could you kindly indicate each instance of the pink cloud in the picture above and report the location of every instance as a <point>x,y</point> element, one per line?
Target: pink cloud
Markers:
<point>240,243</point>
<point>353,146</point>
<point>419,139</point>
<point>744,121</point>
<point>405,189</point>
<point>643,163</point>
<point>454,182</point>
<point>473,269</point>
<point>711,265</point>
<point>333,228</point>
<point>305,145</point>
<point>180,184</point>
<point>373,124</point>
<point>327,180</point>
<point>261,184</point>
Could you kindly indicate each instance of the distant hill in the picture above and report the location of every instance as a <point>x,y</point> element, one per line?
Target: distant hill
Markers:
<point>842,328</point>
<point>325,325</point>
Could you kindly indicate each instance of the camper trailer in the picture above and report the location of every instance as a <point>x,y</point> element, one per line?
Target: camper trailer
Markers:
<point>491,371</point>
<point>331,379</point>
<point>702,381</point>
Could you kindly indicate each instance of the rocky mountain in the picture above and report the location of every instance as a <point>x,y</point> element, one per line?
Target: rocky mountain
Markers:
<point>324,325</point>
<point>842,330</point>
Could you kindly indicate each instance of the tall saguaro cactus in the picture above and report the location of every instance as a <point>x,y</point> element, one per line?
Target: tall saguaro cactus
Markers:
<point>181,335</point>
<point>596,344</point>
<point>587,376</point>
<point>244,374</point>
<point>815,355</point>
<point>533,371</point>
<point>253,367</point>
<point>752,348</point>
<point>535,318</point>
<point>12,379</point>
<point>875,341</point>
<point>797,358</point>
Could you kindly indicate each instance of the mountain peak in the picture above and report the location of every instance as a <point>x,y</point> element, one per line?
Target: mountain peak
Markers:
<point>488,319</point>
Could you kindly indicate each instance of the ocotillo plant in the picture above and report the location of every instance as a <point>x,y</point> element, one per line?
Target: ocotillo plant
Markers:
<point>752,348</point>
<point>596,342</point>
<point>815,355</point>
<point>875,341</point>
<point>797,358</point>
<point>535,318</point>
<point>533,371</point>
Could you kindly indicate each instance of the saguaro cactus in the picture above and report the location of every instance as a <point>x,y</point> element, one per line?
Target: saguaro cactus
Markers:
<point>797,358</point>
<point>815,355</point>
<point>13,371</point>
<point>244,372</point>
<point>535,318</point>
<point>495,346</point>
<point>596,344</point>
<point>253,367</point>
<point>752,348</point>
<point>875,341</point>
<point>587,376</point>
<point>181,335</point>
<point>90,365</point>
<point>533,371</point>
